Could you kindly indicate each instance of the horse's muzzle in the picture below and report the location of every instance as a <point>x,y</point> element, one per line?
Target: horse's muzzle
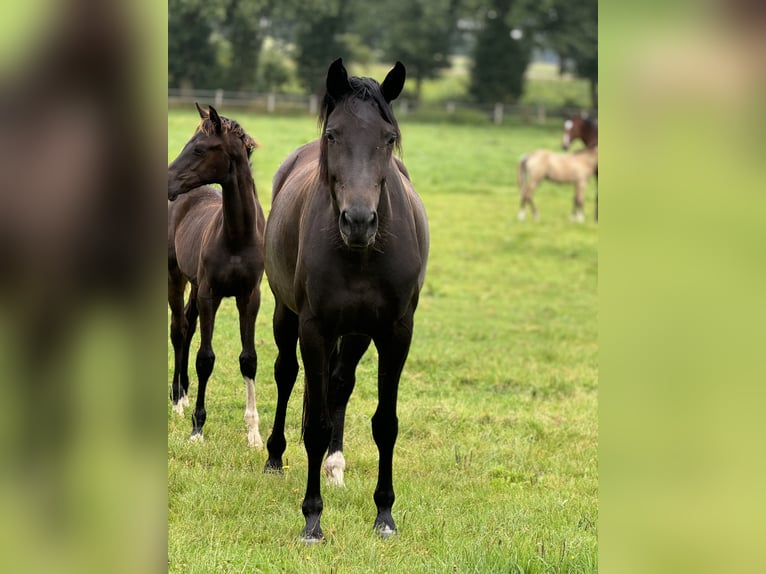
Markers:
<point>358,227</point>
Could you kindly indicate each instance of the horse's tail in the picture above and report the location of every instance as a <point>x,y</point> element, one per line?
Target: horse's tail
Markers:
<point>521,174</point>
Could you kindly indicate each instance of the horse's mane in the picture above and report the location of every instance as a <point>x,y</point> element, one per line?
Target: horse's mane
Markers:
<point>363,89</point>
<point>229,126</point>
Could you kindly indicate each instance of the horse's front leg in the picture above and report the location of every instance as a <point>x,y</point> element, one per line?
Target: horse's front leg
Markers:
<point>285,373</point>
<point>208,306</point>
<point>248,306</point>
<point>393,348</point>
<point>315,350</point>
<point>342,381</point>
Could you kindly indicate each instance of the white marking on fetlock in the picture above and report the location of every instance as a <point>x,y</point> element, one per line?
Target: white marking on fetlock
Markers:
<point>184,400</point>
<point>197,437</point>
<point>334,466</point>
<point>385,531</point>
<point>178,407</point>
<point>522,215</point>
<point>251,415</point>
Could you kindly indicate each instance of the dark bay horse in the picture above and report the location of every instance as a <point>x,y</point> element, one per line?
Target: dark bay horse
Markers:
<point>215,242</point>
<point>581,126</point>
<point>346,249</point>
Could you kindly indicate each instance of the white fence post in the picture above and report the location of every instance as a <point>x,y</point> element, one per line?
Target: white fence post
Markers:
<point>313,104</point>
<point>450,107</point>
<point>271,103</point>
<point>497,116</point>
<point>540,113</point>
<point>219,98</point>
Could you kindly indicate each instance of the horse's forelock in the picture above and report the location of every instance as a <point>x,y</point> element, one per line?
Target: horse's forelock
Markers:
<point>207,127</point>
<point>364,89</point>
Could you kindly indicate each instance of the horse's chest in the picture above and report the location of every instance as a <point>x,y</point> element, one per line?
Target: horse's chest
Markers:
<point>357,302</point>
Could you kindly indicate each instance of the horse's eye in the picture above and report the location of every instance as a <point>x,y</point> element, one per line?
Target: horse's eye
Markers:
<point>391,139</point>
<point>330,137</point>
<point>198,151</point>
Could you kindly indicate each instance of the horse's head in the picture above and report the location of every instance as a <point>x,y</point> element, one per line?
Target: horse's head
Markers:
<point>572,130</point>
<point>209,154</point>
<point>359,134</point>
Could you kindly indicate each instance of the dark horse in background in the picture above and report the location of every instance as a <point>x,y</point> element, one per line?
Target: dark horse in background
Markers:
<point>346,249</point>
<point>581,126</point>
<point>215,242</point>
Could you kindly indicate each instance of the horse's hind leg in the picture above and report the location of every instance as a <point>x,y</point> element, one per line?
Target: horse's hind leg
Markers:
<point>248,361</point>
<point>285,373</point>
<point>178,328</point>
<point>342,381</point>
<point>578,214</point>
<point>208,306</point>
<point>529,191</point>
<point>191,314</point>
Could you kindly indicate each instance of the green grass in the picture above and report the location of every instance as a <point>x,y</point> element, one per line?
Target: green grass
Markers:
<point>496,466</point>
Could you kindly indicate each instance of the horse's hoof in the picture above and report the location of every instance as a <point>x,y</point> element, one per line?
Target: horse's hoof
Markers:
<point>196,436</point>
<point>311,540</point>
<point>178,408</point>
<point>254,439</point>
<point>273,467</point>
<point>522,216</point>
<point>385,531</point>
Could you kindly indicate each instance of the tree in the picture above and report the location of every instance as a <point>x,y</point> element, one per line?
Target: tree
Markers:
<point>245,30</point>
<point>571,30</point>
<point>192,48</point>
<point>500,57</point>
<point>420,34</point>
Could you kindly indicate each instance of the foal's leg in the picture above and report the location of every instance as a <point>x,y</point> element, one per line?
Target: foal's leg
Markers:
<point>342,381</point>
<point>178,327</point>
<point>529,191</point>
<point>596,213</point>
<point>191,314</point>
<point>578,214</point>
<point>248,306</point>
<point>285,372</point>
<point>393,349</point>
<point>208,306</point>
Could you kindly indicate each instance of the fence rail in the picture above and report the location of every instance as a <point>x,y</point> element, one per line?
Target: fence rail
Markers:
<point>497,113</point>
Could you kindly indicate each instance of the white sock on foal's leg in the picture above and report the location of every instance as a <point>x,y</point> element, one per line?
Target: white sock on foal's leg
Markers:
<point>334,466</point>
<point>251,415</point>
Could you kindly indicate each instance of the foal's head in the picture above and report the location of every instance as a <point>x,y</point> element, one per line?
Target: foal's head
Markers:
<point>359,134</point>
<point>208,155</point>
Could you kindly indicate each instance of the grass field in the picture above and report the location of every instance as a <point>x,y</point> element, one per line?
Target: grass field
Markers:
<point>496,467</point>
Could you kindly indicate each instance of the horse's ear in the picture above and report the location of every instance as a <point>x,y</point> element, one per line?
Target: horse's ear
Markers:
<point>202,113</point>
<point>337,80</point>
<point>216,119</point>
<point>394,82</point>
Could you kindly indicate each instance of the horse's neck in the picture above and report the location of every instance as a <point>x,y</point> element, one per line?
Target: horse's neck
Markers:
<point>239,199</point>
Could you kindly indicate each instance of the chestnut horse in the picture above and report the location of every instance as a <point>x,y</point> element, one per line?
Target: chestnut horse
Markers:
<point>215,242</point>
<point>583,127</point>
<point>346,248</point>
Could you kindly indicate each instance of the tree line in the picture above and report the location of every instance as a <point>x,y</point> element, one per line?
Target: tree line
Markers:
<point>264,45</point>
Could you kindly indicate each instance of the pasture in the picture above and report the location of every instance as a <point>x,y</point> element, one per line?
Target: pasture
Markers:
<point>496,464</point>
